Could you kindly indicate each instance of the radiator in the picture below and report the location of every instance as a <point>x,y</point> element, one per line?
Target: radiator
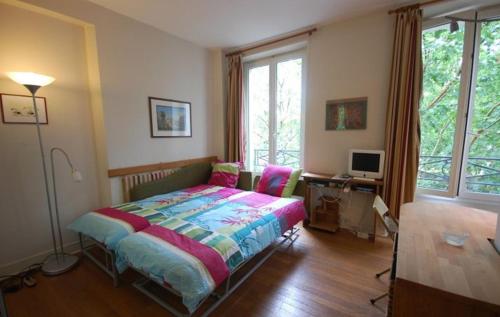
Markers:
<point>131,181</point>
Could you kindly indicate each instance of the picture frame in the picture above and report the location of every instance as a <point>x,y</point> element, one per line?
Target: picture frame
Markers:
<point>170,118</point>
<point>346,114</point>
<point>18,109</point>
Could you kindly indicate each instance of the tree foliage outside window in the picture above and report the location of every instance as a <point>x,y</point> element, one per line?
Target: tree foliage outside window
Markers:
<point>288,103</point>
<point>258,117</point>
<point>288,109</point>
<point>442,58</point>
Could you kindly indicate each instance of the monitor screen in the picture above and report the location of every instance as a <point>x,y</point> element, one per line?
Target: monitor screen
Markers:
<point>368,162</point>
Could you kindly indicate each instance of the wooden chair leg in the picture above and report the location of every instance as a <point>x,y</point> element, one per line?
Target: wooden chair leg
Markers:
<point>373,300</point>
<point>382,273</point>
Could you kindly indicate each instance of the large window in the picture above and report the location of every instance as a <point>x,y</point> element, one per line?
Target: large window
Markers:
<point>460,110</point>
<point>273,106</point>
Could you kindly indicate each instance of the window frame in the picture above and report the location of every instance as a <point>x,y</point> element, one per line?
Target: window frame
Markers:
<point>465,107</point>
<point>462,189</point>
<point>272,62</point>
<point>458,139</point>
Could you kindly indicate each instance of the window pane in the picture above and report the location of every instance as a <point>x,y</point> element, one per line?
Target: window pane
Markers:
<point>258,118</point>
<point>288,109</point>
<point>442,58</point>
<point>483,164</point>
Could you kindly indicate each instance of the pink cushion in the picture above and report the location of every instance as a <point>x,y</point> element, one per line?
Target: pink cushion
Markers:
<point>273,180</point>
<point>225,174</point>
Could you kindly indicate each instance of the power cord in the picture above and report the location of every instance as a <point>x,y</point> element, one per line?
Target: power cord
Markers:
<point>13,283</point>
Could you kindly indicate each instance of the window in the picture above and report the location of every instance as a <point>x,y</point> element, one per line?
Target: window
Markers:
<point>274,102</point>
<point>460,110</point>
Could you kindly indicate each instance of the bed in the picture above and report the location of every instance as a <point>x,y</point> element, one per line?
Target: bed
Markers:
<point>107,226</point>
<point>204,241</point>
<point>189,238</point>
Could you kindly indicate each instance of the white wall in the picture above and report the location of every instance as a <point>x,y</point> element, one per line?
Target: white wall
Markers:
<point>218,103</point>
<point>42,44</point>
<point>346,60</point>
<point>135,61</point>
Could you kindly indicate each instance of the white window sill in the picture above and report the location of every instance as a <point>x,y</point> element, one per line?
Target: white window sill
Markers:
<point>474,203</point>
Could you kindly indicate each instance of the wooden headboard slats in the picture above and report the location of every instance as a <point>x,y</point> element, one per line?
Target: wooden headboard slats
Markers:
<point>124,171</point>
<point>136,175</point>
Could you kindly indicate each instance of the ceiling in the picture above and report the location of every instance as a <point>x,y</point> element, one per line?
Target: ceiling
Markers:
<point>232,23</point>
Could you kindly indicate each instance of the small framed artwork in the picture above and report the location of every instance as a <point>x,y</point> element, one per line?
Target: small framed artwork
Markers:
<point>19,109</point>
<point>346,114</point>
<point>169,118</point>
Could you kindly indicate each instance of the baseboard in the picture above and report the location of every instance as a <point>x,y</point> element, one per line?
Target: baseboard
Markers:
<point>17,266</point>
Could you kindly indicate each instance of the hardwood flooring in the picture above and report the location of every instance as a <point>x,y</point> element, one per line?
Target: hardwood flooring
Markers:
<point>322,274</point>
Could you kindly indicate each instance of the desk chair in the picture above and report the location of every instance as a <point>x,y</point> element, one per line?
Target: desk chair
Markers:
<point>391,225</point>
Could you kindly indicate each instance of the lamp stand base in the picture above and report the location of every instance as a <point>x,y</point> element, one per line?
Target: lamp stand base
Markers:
<point>55,265</point>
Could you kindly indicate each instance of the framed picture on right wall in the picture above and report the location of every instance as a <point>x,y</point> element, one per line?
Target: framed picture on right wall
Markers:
<point>346,114</point>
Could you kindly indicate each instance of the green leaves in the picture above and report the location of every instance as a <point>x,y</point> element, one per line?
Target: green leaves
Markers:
<point>442,56</point>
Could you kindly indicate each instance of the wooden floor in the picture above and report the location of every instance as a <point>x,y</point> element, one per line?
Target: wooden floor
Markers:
<point>322,274</point>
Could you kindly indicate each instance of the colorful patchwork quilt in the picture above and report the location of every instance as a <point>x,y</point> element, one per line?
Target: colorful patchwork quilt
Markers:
<point>110,225</point>
<point>205,237</point>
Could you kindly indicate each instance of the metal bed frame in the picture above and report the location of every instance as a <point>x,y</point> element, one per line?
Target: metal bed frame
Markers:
<point>290,235</point>
<point>108,265</point>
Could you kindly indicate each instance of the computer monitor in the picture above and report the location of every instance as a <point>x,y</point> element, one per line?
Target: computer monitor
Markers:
<point>366,163</point>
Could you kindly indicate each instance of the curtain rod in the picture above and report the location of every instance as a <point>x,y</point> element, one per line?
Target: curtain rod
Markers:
<point>417,5</point>
<point>309,32</point>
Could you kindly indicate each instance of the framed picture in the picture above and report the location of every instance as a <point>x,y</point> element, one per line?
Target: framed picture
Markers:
<point>19,109</point>
<point>346,114</point>
<point>169,118</point>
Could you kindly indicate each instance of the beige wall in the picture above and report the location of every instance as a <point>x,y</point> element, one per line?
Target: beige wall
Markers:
<point>346,60</point>
<point>218,103</point>
<point>135,61</point>
<point>42,44</point>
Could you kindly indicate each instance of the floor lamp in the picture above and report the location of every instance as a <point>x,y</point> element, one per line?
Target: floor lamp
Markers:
<point>58,262</point>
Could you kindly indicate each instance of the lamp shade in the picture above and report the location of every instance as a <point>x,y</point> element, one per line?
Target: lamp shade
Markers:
<point>28,78</point>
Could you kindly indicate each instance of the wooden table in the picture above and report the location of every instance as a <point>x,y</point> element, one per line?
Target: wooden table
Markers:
<point>437,279</point>
<point>327,179</point>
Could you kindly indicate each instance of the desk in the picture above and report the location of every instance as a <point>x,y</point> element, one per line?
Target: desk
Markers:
<point>437,279</point>
<point>327,179</point>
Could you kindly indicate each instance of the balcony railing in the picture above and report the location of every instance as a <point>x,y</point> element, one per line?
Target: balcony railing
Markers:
<point>483,173</point>
<point>283,157</point>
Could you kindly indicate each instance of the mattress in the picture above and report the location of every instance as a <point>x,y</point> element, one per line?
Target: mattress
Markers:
<point>110,225</point>
<point>205,238</point>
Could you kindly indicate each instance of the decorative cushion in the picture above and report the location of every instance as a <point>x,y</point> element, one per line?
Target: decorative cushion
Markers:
<point>225,174</point>
<point>239,163</point>
<point>279,181</point>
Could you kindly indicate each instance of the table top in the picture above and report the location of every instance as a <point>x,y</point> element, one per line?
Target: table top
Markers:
<point>331,178</point>
<point>317,175</point>
<point>472,271</point>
